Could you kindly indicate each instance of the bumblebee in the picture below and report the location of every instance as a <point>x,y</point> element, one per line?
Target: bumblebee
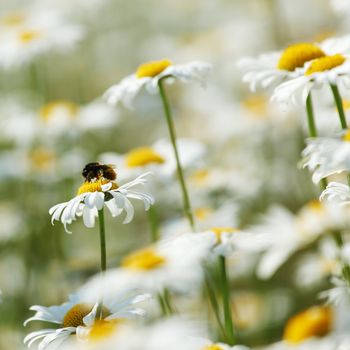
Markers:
<point>97,170</point>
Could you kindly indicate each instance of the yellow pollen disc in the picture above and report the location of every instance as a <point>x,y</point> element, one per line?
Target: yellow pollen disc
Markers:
<point>346,104</point>
<point>42,159</point>
<point>326,63</point>
<point>95,186</point>
<point>28,36</point>
<point>144,259</point>
<point>199,177</point>
<point>316,321</point>
<point>67,108</point>
<point>256,104</point>
<point>220,230</point>
<point>202,213</point>
<point>213,347</point>
<point>13,19</point>
<point>103,329</point>
<point>74,316</point>
<point>143,156</point>
<point>346,136</point>
<point>153,68</point>
<point>315,205</point>
<point>295,56</point>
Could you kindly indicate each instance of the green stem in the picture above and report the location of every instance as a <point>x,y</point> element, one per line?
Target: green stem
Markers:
<point>214,304</point>
<point>312,128</point>
<point>153,223</point>
<point>339,103</point>
<point>101,221</point>
<point>167,301</point>
<point>185,196</point>
<point>345,267</point>
<point>162,305</point>
<point>226,301</point>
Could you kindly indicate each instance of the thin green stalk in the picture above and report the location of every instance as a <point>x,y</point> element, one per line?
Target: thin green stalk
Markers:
<point>339,103</point>
<point>168,302</point>
<point>226,301</point>
<point>185,196</point>
<point>214,304</point>
<point>162,305</point>
<point>345,267</point>
<point>153,223</point>
<point>312,128</point>
<point>101,221</point>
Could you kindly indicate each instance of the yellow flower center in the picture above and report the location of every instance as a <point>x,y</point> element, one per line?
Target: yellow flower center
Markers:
<point>74,316</point>
<point>13,19</point>
<point>28,36</point>
<point>346,136</point>
<point>61,107</point>
<point>200,177</point>
<point>220,230</point>
<point>103,329</point>
<point>213,347</point>
<point>153,68</point>
<point>95,186</point>
<point>316,321</point>
<point>143,156</point>
<point>315,205</point>
<point>202,213</point>
<point>326,63</point>
<point>346,104</point>
<point>144,259</point>
<point>42,159</point>
<point>295,56</point>
<point>256,104</point>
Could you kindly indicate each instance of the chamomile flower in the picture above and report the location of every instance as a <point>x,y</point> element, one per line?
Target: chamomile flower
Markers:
<point>326,70</point>
<point>173,264</point>
<point>98,192</point>
<point>157,158</point>
<point>325,156</point>
<point>206,344</point>
<point>27,34</point>
<point>271,69</point>
<point>149,74</point>
<point>281,233</point>
<point>79,316</point>
<point>336,192</point>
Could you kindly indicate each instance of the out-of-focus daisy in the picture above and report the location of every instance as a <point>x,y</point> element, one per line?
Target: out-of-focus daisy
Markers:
<point>336,192</point>
<point>26,34</point>
<point>99,191</point>
<point>282,233</point>
<point>325,156</point>
<point>157,158</point>
<point>271,69</point>
<point>149,74</point>
<point>171,334</point>
<point>206,344</point>
<point>164,265</point>
<point>54,119</point>
<point>78,316</point>
<point>341,7</point>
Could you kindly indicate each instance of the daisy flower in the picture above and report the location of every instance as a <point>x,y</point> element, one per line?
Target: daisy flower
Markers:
<point>325,156</point>
<point>79,316</point>
<point>206,344</point>
<point>157,158</point>
<point>336,192</point>
<point>97,192</point>
<point>148,76</point>
<point>27,34</point>
<point>271,69</point>
<point>281,233</point>
<point>173,264</point>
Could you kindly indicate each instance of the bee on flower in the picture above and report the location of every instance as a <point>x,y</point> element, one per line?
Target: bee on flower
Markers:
<point>80,317</point>
<point>148,76</point>
<point>98,190</point>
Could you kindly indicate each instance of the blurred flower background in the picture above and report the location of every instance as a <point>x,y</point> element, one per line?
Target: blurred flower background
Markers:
<point>241,155</point>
